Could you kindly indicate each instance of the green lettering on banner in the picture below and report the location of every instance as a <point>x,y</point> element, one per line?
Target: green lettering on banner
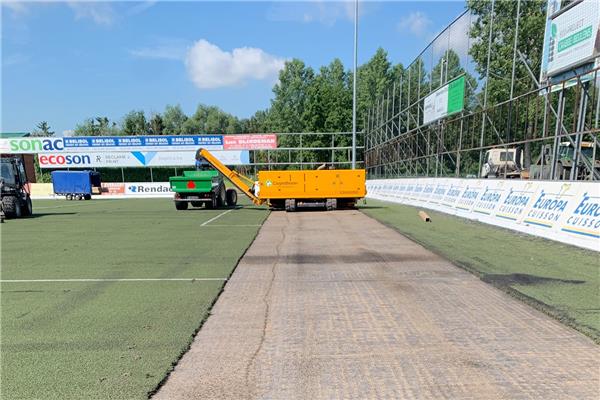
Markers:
<point>575,38</point>
<point>456,95</point>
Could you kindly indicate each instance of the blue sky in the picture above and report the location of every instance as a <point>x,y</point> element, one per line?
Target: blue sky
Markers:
<point>64,62</point>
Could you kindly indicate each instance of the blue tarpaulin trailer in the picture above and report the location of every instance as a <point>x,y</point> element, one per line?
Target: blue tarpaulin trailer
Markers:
<point>76,184</point>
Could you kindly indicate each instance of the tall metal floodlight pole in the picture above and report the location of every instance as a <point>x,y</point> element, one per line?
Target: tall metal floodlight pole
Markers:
<point>354,85</point>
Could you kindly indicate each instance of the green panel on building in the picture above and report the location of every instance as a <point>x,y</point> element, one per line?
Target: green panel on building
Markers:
<point>456,95</point>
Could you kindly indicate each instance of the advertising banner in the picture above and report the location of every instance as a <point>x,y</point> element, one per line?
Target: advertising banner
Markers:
<point>447,100</point>
<point>153,189</point>
<point>110,143</point>
<point>249,142</point>
<point>114,144</point>
<point>571,37</point>
<point>137,159</point>
<point>568,212</point>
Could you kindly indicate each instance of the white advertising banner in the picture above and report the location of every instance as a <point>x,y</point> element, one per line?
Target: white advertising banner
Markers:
<point>137,159</point>
<point>568,212</point>
<point>572,37</point>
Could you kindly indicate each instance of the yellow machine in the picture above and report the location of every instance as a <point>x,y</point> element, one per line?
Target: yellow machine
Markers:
<point>330,189</point>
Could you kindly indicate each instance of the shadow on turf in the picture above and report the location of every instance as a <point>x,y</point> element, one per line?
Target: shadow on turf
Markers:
<point>40,215</point>
<point>505,280</point>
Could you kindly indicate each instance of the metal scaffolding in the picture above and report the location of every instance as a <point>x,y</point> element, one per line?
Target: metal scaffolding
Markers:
<point>548,124</point>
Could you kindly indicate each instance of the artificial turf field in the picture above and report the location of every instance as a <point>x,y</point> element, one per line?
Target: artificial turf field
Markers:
<point>559,279</point>
<point>109,337</point>
<point>121,303</point>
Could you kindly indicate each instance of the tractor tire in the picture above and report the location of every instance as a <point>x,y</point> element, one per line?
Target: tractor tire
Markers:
<point>87,197</point>
<point>79,197</point>
<point>181,205</point>
<point>213,203</point>
<point>10,206</point>
<point>28,209</point>
<point>231,197</point>
<point>221,196</point>
<point>69,197</point>
<point>197,204</point>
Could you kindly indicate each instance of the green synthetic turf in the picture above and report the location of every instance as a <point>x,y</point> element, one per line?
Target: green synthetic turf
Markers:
<point>117,340</point>
<point>559,279</point>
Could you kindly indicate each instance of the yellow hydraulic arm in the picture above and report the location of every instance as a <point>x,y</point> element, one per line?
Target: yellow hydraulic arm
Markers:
<point>241,182</point>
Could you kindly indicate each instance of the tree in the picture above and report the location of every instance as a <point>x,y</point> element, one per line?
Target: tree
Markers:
<point>173,120</point>
<point>96,127</point>
<point>291,97</point>
<point>156,126</point>
<point>531,33</point>
<point>134,123</point>
<point>42,129</point>
<point>211,120</point>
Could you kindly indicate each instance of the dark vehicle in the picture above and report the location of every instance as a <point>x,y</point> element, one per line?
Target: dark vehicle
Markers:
<point>76,185</point>
<point>16,201</point>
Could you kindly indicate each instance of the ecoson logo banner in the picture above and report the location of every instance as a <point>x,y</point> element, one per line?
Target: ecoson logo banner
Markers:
<point>59,160</point>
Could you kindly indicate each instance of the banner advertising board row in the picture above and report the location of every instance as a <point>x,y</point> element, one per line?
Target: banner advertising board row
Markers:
<point>78,144</point>
<point>184,158</point>
<point>447,100</point>
<point>568,212</point>
<point>111,190</point>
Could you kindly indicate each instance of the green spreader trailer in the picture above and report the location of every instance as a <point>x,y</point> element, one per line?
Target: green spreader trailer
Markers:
<point>200,188</point>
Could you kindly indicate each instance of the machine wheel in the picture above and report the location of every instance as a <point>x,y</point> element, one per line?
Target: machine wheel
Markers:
<point>79,197</point>
<point>197,204</point>
<point>331,204</point>
<point>10,206</point>
<point>231,197</point>
<point>87,197</point>
<point>561,171</point>
<point>28,210</point>
<point>69,197</point>
<point>181,205</point>
<point>290,205</point>
<point>221,196</point>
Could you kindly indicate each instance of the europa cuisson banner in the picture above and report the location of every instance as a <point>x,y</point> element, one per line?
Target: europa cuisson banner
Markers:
<point>568,212</point>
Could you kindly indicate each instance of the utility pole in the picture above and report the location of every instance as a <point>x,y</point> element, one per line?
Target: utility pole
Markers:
<point>354,85</point>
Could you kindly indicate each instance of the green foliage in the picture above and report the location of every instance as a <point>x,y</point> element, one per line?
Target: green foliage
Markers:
<point>210,119</point>
<point>99,126</point>
<point>134,123</point>
<point>42,129</point>
<point>173,120</point>
<point>531,33</point>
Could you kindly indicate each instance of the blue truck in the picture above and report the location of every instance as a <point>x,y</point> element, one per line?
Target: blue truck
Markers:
<point>76,185</point>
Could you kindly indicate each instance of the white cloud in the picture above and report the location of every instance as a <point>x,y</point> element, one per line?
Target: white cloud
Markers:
<point>139,8</point>
<point>417,23</point>
<point>100,13</point>
<point>166,49</point>
<point>17,7</point>
<point>210,67</point>
<point>14,59</point>
<point>321,11</point>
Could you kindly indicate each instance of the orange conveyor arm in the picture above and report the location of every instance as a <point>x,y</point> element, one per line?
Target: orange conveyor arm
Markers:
<point>241,182</point>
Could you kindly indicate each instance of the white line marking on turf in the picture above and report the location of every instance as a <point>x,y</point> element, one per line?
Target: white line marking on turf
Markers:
<point>110,280</point>
<point>234,226</point>
<point>218,216</point>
